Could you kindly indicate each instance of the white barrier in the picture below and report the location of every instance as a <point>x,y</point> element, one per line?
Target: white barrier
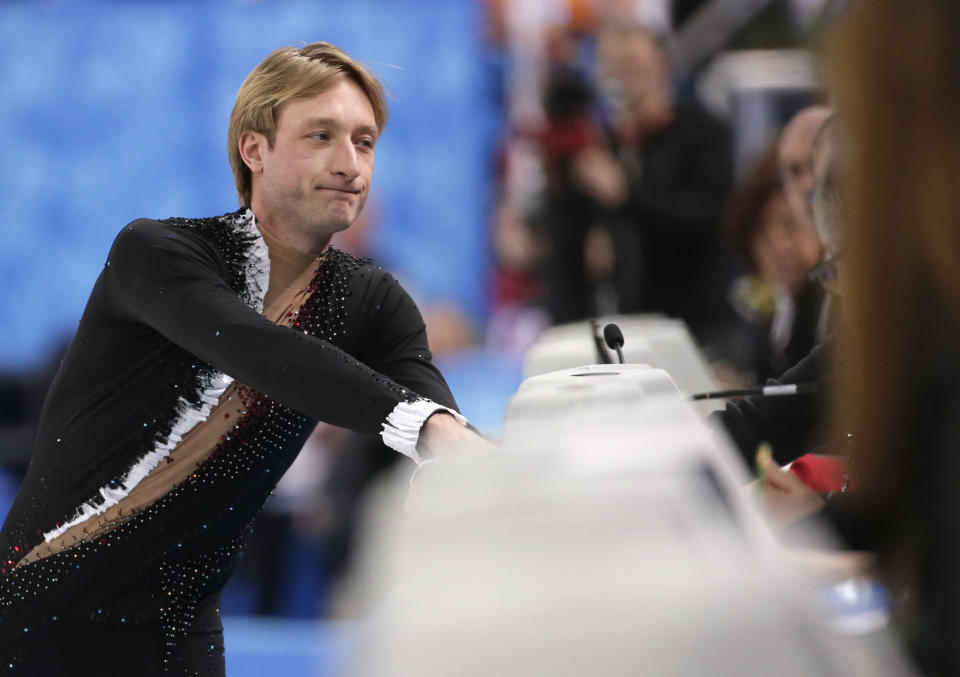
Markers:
<point>610,535</point>
<point>650,339</point>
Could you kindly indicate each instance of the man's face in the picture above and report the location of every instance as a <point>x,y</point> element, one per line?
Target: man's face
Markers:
<point>316,176</point>
<point>631,68</point>
<point>795,160</point>
<point>822,158</point>
<point>644,70</point>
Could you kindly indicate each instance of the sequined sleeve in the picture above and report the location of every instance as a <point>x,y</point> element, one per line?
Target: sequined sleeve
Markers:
<point>172,281</point>
<point>397,344</point>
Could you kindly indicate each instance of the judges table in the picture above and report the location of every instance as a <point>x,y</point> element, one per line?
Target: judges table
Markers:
<point>609,534</point>
<point>655,340</point>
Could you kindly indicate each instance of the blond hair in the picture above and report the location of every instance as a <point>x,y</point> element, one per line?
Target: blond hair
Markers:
<point>291,73</point>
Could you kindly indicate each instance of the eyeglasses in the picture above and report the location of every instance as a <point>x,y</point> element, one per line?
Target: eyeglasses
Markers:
<point>825,272</point>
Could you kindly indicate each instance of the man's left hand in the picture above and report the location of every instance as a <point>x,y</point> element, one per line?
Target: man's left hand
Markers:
<point>442,433</point>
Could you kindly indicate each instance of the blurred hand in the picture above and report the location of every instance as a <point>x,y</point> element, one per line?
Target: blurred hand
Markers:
<point>598,253</point>
<point>783,497</point>
<point>833,567</point>
<point>597,172</point>
<point>514,242</point>
<point>443,434</point>
<point>726,376</point>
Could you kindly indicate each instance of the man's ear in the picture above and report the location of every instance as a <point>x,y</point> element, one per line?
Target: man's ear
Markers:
<point>252,145</point>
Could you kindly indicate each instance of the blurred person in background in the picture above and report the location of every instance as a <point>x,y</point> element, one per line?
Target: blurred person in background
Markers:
<point>178,405</point>
<point>566,215</point>
<point>795,425</point>
<point>659,181</point>
<point>517,317</point>
<point>796,154</point>
<point>819,485</point>
<point>830,158</point>
<point>829,166</point>
<point>896,70</point>
<point>795,157</point>
<point>779,301</point>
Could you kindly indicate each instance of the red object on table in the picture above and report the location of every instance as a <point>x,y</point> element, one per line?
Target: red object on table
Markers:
<point>822,473</point>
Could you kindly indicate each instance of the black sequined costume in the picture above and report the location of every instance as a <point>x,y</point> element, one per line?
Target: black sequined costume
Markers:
<point>175,312</point>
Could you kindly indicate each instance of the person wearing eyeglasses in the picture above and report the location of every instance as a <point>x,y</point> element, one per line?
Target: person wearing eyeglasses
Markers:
<point>795,425</point>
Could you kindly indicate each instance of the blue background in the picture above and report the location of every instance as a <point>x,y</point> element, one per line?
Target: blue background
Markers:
<point>115,110</point>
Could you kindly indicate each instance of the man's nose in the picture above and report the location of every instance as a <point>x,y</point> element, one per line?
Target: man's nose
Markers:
<point>345,162</point>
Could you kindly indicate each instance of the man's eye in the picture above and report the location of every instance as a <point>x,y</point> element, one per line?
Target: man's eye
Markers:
<point>366,143</point>
<point>321,136</point>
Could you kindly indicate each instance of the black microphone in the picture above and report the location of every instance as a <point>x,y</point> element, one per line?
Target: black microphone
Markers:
<point>614,339</point>
<point>765,391</point>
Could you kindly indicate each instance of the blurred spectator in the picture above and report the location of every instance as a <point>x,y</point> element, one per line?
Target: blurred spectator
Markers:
<point>778,300</point>
<point>829,161</point>
<point>793,426</point>
<point>648,188</point>
<point>567,213</point>
<point>516,318</point>
<point>662,185</point>
<point>795,160</point>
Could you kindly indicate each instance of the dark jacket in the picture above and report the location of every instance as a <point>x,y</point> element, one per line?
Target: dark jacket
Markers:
<point>792,425</point>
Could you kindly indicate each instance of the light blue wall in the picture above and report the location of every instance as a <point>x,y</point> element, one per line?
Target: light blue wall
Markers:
<point>114,110</point>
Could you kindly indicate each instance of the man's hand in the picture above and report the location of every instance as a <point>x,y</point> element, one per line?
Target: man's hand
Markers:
<point>442,433</point>
<point>783,496</point>
<point>834,567</point>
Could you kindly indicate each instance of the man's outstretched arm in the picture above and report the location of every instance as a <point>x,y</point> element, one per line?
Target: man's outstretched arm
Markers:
<point>171,281</point>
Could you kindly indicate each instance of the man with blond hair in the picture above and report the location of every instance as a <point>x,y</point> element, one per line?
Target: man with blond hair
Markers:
<point>207,352</point>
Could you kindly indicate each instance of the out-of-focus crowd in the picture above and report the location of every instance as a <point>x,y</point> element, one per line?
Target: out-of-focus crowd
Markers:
<point>620,191</point>
<point>628,196</point>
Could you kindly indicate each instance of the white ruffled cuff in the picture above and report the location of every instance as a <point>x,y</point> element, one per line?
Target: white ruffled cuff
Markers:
<point>401,430</point>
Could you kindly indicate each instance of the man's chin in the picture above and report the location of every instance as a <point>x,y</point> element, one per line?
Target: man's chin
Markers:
<point>338,223</point>
<point>333,223</point>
